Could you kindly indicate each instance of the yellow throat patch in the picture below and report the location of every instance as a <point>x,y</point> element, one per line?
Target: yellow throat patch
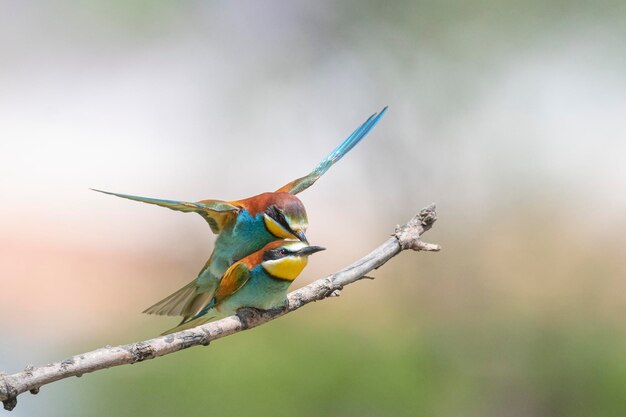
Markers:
<point>286,268</point>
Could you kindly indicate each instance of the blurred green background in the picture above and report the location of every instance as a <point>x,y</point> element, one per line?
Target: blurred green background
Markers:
<point>509,115</point>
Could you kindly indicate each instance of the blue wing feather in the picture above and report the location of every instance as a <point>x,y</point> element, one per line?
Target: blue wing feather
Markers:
<point>349,143</point>
<point>344,147</point>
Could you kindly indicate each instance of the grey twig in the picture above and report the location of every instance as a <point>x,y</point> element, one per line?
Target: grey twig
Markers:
<point>32,378</point>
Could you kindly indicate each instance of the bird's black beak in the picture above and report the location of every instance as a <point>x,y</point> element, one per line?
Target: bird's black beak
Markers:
<point>301,236</point>
<point>310,250</point>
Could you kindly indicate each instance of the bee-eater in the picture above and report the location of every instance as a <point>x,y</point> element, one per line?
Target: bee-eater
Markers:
<point>259,280</point>
<point>245,226</point>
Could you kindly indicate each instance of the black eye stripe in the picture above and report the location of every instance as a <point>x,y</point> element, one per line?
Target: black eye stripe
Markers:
<point>275,254</point>
<point>270,255</point>
<point>283,221</point>
<point>278,215</point>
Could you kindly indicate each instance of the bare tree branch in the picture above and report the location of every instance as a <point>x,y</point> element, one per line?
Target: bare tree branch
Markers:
<point>32,378</point>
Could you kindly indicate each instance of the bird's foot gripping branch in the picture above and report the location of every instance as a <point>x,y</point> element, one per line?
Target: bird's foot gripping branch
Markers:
<point>32,378</point>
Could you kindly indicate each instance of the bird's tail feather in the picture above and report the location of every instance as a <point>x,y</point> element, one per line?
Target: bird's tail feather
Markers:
<point>174,304</point>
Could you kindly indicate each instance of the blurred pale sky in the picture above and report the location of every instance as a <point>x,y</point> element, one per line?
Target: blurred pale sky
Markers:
<point>493,107</point>
<point>489,108</point>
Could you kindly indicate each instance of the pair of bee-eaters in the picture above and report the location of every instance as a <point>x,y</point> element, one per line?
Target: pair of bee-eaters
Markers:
<point>260,249</point>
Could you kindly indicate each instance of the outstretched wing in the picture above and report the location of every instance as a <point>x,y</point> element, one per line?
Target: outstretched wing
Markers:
<point>216,212</point>
<point>301,184</point>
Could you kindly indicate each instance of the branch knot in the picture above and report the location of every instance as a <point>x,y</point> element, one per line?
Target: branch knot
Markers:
<point>141,351</point>
<point>11,393</point>
<point>409,235</point>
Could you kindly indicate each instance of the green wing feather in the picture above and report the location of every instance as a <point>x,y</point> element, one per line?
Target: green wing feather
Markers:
<point>234,278</point>
<point>216,212</point>
<point>187,302</point>
<point>174,304</point>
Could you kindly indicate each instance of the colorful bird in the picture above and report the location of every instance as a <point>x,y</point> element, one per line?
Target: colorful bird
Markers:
<point>259,280</point>
<point>245,226</point>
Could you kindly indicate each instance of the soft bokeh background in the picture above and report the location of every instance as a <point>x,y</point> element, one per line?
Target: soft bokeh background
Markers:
<point>510,115</point>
